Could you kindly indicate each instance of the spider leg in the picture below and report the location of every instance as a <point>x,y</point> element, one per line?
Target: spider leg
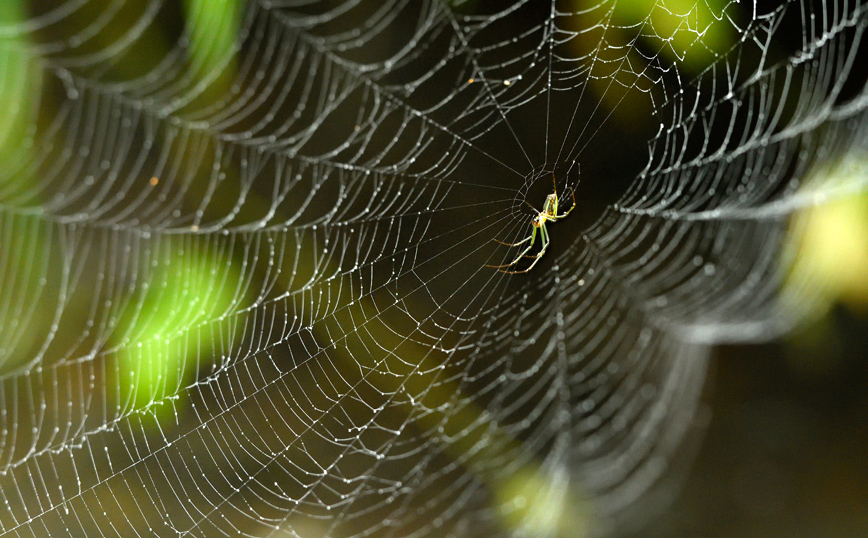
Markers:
<point>531,266</point>
<point>515,261</point>
<point>521,254</point>
<point>513,244</point>
<point>523,240</point>
<point>536,259</point>
<point>517,272</point>
<point>556,217</point>
<point>544,239</point>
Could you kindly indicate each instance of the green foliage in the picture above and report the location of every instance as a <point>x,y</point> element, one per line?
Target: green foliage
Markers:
<point>18,85</point>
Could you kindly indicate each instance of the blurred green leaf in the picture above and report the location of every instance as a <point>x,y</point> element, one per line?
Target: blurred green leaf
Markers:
<point>161,327</point>
<point>213,27</point>
<point>18,93</point>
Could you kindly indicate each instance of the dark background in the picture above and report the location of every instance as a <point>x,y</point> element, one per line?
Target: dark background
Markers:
<point>786,450</point>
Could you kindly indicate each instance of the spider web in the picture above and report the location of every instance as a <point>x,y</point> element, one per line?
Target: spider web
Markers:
<point>243,271</point>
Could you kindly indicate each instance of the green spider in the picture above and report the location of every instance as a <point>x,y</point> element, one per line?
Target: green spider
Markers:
<point>549,212</point>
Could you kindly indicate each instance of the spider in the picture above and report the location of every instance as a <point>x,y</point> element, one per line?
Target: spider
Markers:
<point>549,212</point>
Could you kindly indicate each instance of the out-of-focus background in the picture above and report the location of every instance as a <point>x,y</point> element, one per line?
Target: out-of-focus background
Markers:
<point>786,451</point>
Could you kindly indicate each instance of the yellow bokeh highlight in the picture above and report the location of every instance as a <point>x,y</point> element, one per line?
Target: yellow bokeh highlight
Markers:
<point>826,257</point>
<point>830,245</point>
<point>536,505</point>
<point>688,33</point>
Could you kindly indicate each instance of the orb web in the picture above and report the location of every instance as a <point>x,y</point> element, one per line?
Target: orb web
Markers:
<point>244,254</point>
